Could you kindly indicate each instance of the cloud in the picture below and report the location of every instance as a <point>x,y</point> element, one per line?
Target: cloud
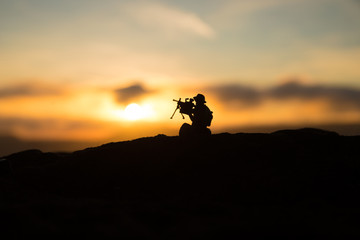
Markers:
<point>337,97</point>
<point>26,90</point>
<point>242,96</point>
<point>11,124</point>
<point>232,11</point>
<point>53,128</point>
<point>243,7</point>
<point>170,19</point>
<point>130,93</point>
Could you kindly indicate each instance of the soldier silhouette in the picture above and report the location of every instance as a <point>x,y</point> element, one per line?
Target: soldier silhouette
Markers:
<point>201,118</point>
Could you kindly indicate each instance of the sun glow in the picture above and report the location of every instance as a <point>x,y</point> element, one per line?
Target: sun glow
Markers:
<point>135,112</point>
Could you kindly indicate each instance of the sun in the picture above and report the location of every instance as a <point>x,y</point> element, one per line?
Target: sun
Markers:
<point>135,112</point>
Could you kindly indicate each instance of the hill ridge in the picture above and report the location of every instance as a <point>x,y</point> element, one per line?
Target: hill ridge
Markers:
<point>292,183</point>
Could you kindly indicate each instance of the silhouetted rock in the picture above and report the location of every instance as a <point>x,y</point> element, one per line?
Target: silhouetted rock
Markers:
<point>290,183</point>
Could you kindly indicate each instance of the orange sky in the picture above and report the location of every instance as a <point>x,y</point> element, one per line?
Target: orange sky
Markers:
<point>104,113</point>
<point>69,70</point>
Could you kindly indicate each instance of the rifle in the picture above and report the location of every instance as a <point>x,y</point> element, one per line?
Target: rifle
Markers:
<point>184,107</point>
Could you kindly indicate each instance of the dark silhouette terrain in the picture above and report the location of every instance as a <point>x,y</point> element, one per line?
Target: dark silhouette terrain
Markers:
<point>288,184</point>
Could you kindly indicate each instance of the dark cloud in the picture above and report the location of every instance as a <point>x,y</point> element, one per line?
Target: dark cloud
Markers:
<point>337,97</point>
<point>27,90</point>
<point>130,93</point>
<point>237,94</point>
<point>295,90</point>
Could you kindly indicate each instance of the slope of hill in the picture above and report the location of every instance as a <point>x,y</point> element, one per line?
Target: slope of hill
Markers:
<point>291,183</point>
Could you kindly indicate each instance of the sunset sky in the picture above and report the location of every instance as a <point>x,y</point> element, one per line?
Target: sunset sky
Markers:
<point>70,69</point>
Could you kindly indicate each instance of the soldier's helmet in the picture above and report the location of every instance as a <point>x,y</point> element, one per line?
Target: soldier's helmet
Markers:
<point>200,98</point>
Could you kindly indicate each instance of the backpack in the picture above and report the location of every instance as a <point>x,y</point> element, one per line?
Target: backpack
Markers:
<point>208,117</point>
